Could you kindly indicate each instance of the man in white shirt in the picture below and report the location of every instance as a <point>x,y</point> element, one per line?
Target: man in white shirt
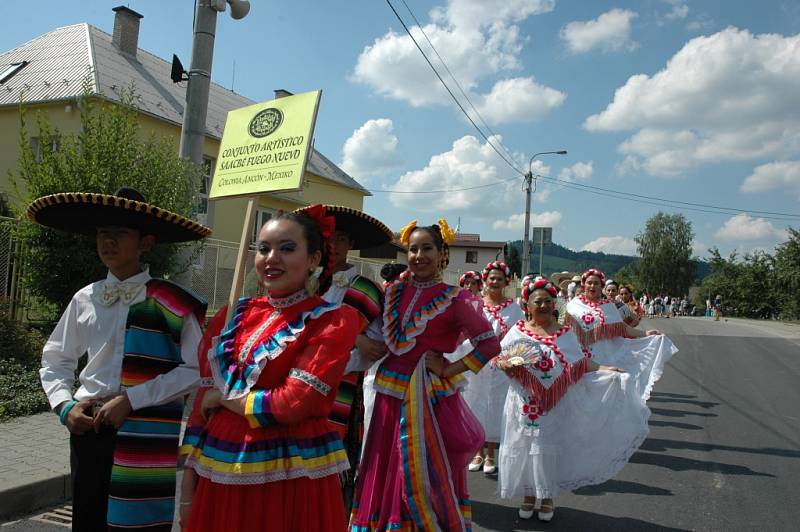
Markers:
<point>140,336</point>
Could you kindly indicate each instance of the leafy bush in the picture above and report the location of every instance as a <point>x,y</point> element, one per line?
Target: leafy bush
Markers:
<point>21,393</point>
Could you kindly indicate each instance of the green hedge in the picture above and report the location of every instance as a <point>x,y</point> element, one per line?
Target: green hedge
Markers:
<point>21,392</point>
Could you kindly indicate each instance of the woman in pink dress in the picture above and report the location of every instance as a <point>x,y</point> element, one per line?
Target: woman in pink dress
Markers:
<point>422,435</point>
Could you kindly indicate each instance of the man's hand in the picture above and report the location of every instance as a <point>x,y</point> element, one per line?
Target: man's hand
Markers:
<point>113,413</point>
<point>77,422</point>
<point>653,332</point>
<point>371,349</point>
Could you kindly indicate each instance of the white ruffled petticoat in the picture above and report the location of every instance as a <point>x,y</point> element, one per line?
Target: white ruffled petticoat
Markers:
<point>643,358</point>
<point>584,440</point>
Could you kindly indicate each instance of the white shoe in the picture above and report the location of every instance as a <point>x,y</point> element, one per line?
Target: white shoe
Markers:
<point>547,516</point>
<point>476,464</point>
<point>526,514</point>
<point>489,466</point>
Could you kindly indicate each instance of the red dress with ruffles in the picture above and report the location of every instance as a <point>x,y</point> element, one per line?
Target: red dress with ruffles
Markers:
<point>276,467</point>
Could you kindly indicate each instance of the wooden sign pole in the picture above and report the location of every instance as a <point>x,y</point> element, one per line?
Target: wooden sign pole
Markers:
<point>237,287</point>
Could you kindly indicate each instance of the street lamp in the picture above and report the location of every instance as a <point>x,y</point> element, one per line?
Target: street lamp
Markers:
<point>526,250</point>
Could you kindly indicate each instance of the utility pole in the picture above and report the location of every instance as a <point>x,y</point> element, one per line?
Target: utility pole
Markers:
<point>526,246</point>
<point>526,250</point>
<point>193,130</point>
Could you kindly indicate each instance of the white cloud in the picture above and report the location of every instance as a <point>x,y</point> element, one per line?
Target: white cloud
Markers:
<point>468,164</point>
<point>516,222</point>
<point>618,245</point>
<point>679,10</point>
<point>371,150</point>
<point>745,227</point>
<point>518,100</point>
<point>610,32</point>
<point>579,171</point>
<point>699,248</point>
<point>781,175</point>
<point>730,96</point>
<point>479,40</point>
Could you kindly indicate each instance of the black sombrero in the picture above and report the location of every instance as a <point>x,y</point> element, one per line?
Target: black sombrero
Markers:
<point>366,231</point>
<point>84,212</point>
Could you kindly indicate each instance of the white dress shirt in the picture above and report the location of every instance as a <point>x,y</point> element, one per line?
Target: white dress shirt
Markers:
<point>98,330</point>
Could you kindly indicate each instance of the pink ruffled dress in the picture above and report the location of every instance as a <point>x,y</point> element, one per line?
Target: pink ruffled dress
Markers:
<point>422,435</point>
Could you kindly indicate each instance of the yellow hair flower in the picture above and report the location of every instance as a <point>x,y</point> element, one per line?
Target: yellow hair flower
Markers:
<point>405,232</point>
<point>448,235</point>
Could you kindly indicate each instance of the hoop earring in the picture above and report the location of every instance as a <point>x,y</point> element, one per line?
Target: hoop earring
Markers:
<point>312,283</point>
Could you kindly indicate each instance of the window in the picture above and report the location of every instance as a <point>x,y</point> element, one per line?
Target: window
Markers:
<point>201,208</point>
<point>36,146</point>
<point>10,70</point>
<point>472,257</point>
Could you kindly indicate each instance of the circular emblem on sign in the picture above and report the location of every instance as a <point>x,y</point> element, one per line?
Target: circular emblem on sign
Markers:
<point>265,122</point>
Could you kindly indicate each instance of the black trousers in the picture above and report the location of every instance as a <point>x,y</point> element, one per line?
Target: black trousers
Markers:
<point>91,458</point>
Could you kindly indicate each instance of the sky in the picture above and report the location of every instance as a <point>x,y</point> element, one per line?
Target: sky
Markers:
<point>682,100</point>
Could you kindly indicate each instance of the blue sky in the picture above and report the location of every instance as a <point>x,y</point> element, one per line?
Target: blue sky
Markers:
<point>696,101</point>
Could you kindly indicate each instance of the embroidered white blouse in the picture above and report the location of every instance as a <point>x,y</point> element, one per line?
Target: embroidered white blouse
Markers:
<point>88,326</point>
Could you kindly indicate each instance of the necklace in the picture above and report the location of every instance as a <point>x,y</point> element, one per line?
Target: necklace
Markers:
<point>288,301</point>
<point>494,310</point>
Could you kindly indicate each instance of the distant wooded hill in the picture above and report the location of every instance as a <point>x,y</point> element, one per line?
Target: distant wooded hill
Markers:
<point>557,258</point>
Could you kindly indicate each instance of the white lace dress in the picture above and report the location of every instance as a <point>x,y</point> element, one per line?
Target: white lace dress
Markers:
<point>485,391</point>
<point>600,328</point>
<point>564,428</point>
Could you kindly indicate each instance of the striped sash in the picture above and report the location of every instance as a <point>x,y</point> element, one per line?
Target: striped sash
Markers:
<point>142,490</point>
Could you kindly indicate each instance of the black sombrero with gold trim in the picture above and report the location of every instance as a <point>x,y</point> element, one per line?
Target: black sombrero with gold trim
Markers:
<point>366,231</point>
<point>84,212</point>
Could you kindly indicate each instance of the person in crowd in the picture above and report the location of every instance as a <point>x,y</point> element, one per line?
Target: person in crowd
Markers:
<point>267,447</point>
<point>685,306</point>
<point>472,281</point>
<point>486,391</point>
<point>422,434</point>
<point>601,329</point>
<point>611,292</point>
<point>356,230</point>
<point>568,421</point>
<point>717,307</point>
<point>636,310</point>
<point>140,335</point>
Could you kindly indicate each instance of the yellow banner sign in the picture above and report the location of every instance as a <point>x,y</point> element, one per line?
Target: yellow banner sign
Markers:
<point>265,147</point>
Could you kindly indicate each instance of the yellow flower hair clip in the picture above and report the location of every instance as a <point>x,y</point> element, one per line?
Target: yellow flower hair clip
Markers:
<point>448,235</point>
<point>405,232</point>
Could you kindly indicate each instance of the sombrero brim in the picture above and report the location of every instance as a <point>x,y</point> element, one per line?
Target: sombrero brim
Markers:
<point>84,212</point>
<point>365,230</point>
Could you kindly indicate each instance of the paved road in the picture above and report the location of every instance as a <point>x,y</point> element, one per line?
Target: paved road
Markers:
<point>724,446</point>
<point>723,452</point>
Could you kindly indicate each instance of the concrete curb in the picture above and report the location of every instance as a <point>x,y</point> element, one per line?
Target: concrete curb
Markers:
<point>33,494</point>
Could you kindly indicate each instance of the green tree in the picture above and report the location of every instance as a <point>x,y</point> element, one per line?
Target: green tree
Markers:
<point>786,278</point>
<point>109,152</point>
<point>513,259</point>
<point>665,251</point>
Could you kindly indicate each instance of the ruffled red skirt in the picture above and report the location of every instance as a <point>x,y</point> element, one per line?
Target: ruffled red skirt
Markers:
<point>301,504</point>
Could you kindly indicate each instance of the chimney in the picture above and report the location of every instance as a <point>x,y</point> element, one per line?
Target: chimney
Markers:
<point>126,30</point>
<point>282,93</point>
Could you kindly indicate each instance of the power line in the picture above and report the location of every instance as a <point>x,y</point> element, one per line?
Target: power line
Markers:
<point>573,184</point>
<point>392,191</point>
<point>450,92</point>
<point>463,93</point>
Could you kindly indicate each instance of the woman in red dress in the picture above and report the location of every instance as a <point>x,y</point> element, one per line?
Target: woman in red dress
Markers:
<point>268,449</point>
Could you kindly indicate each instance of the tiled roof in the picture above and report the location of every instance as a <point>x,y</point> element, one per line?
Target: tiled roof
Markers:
<point>60,61</point>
